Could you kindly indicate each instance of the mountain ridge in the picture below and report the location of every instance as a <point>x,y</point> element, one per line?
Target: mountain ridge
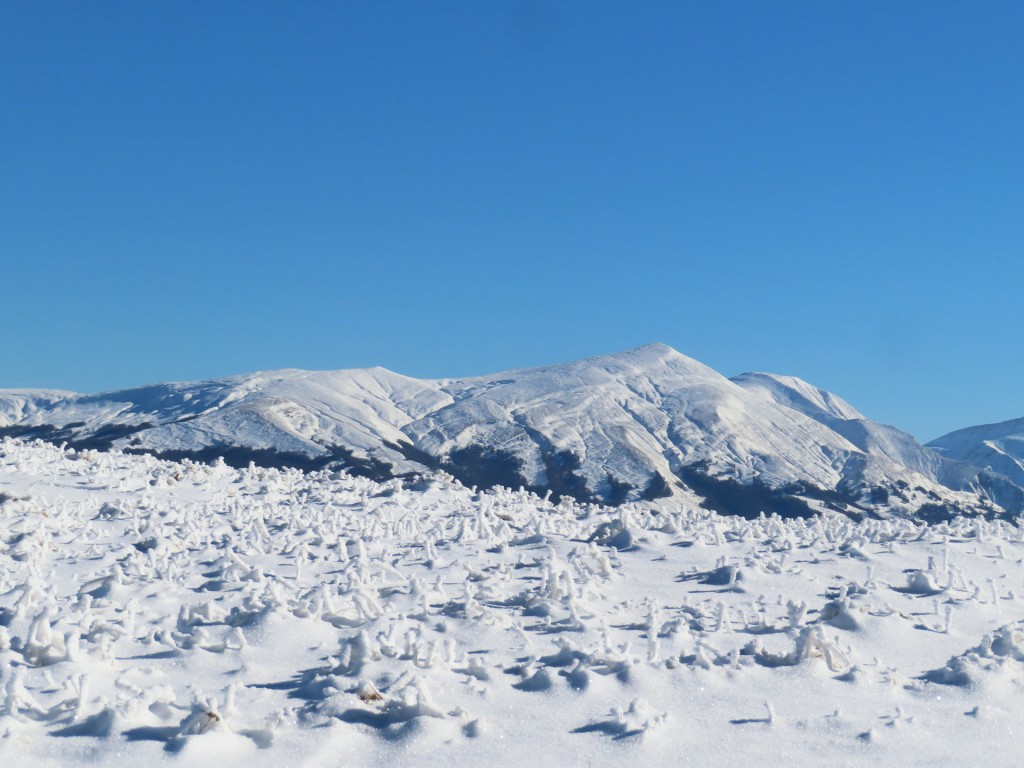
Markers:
<point>638,425</point>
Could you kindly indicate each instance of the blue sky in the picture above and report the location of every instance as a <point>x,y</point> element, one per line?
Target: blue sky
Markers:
<point>829,190</point>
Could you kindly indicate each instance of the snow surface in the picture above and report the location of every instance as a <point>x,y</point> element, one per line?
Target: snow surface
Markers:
<point>161,613</point>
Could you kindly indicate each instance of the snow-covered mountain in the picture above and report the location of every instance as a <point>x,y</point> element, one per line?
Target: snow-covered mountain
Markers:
<point>642,424</point>
<point>999,447</point>
<point>883,441</point>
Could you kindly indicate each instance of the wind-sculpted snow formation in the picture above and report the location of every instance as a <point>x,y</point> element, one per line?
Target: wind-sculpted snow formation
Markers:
<point>197,614</point>
<point>645,424</point>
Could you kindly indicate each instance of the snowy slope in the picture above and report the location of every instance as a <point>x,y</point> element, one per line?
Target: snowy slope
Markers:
<point>996,446</point>
<point>884,442</point>
<point>155,613</point>
<point>18,406</point>
<point>288,411</point>
<point>799,395</point>
<point>646,423</point>
<point>630,414</point>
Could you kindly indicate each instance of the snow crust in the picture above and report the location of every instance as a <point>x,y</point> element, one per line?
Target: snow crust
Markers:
<point>156,613</point>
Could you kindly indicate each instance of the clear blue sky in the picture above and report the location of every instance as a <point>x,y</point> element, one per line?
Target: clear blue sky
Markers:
<point>833,190</point>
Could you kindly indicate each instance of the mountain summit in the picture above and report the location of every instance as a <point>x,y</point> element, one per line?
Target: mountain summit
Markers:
<point>643,424</point>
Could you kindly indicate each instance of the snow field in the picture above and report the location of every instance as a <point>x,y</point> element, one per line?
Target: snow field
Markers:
<point>153,612</point>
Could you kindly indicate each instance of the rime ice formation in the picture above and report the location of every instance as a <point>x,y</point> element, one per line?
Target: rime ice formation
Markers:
<point>156,612</point>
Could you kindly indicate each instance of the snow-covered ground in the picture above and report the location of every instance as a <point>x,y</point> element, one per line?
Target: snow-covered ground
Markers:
<point>153,612</point>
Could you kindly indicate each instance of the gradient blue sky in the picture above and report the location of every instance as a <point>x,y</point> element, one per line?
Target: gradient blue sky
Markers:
<point>830,190</point>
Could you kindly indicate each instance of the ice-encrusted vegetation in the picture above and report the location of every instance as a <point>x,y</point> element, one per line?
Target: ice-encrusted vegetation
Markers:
<point>153,611</point>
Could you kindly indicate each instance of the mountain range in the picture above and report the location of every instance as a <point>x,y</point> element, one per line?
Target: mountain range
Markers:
<point>641,425</point>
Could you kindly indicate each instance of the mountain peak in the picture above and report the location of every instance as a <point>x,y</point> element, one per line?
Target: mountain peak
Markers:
<point>651,357</point>
<point>647,354</point>
<point>655,348</point>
